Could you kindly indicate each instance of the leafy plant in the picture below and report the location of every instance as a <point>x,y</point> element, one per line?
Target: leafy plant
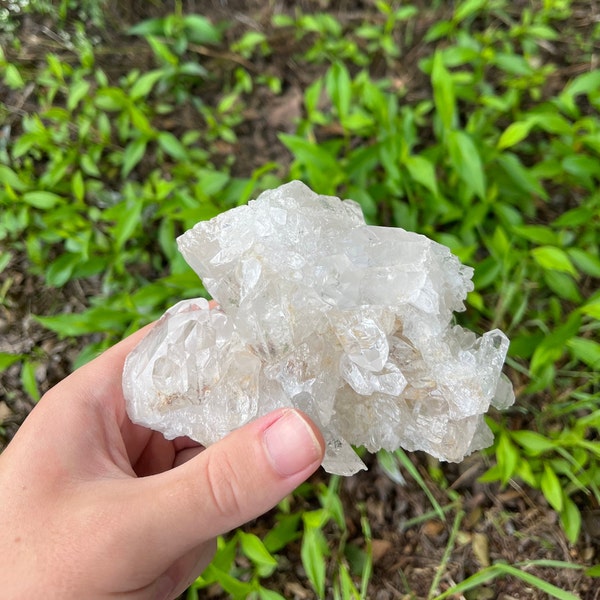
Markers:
<point>450,168</point>
<point>468,141</point>
<point>322,533</point>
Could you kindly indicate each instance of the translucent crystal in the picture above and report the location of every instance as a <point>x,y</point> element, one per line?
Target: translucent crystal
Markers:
<point>351,323</point>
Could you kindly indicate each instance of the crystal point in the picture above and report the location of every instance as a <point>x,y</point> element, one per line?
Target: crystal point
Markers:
<point>351,323</point>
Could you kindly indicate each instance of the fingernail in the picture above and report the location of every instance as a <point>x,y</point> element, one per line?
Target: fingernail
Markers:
<point>291,444</point>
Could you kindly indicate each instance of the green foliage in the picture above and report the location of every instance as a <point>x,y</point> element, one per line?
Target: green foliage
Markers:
<point>243,561</point>
<point>88,11</point>
<point>518,571</point>
<point>481,184</point>
<point>493,162</point>
<point>94,186</point>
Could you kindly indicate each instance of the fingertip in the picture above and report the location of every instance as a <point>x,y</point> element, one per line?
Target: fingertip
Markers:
<point>293,444</point>
<point>236,479</point>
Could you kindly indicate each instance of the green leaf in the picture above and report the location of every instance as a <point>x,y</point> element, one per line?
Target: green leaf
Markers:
<point>389,465</point>
<point>499,570</point>
<point>551,488</point>
<point>313,552</point>
<point>593,571</point>
<point>248,42</point>
<point>487,272</point>
<point>405,461</point>
<point>551,257</point>
<point>525,473</point>
<point>315,519</point>
<point>587,351</point>
<point>536,233</point>
<point>12,77</point>
<point>5,259</point>
<point>423,172</point>
<point>78,186</point>
<point>349,591</point>
<point>77,92</point>
<point>542,31</point>
<point>200,30</point>
<point>357,121</point>
<point>238,589</point>
<point>265,594</point>
<point>7,359</point>
<point>439,30</point>
<point>88,166</point>
<point>172,146</point>
<point>312,96</point>
<point>552,347</point>
<point>161,51</point>
<point>322,168</point>
<point>285,531</point>
<point>472,582</point>
<point>553,123</point>
<point>110,99</point>
<point>562,285</point>
<point>140,122</point>
<point>513,64</point>
<point>581,166</point>
<point>592,308</point>
<point>586,83</point>
<point>128,218</point>
<point>226,553</point>
<point>41,199</point>
<point>533,442</point>
<point>93,320</point>
<point>255,550</point>
<point>571,520</point>
<point>443,92</point>
<point>585,261</point>
<point>10,177</point>
<point>133,154</point>
<point>542,585</point>
<point>28,380</point>
<point>143,86</point>
<point>60,270</point>
<point>514,133</point>
<point>339,87</point>
<point>520,177</point>
<point>468,8</point>
<point>148,27</point>
<point>575,216</point>
<point>507,456</point>
<point>467,162</point>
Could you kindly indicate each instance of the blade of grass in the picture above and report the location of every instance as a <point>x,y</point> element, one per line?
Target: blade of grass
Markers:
<point>479,578</point>
<point>501,570</point>
<point>410,467</point>
<point>447,552</point>
<point>427,516</point>
<point>368,567</point>
<point>539,583</point>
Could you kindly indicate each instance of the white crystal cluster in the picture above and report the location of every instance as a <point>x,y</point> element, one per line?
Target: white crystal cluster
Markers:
<point>351,323</point>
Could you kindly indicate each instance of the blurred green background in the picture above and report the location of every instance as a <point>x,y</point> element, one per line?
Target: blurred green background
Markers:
<point>474,122</point>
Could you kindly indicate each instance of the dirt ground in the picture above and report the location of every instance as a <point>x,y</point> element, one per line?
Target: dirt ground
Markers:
<point>514,524</point>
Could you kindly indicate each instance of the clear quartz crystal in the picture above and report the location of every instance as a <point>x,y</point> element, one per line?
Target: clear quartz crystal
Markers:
<point>351,323</point>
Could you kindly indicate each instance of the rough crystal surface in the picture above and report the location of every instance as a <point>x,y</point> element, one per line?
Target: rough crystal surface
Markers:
<point>351,323</point>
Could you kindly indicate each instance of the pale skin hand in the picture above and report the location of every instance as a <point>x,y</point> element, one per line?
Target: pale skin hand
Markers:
<point>92,506</point>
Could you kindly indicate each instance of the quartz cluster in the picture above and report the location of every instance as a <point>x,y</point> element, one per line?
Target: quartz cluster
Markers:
<point>351,323</point>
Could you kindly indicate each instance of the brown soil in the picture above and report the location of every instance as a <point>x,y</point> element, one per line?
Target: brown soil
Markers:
<point>513,525</point>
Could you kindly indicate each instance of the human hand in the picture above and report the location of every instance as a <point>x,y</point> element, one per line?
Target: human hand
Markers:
<point>93,506</point>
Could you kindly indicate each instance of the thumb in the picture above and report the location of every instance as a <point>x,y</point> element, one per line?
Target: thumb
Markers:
<point>235,480</point>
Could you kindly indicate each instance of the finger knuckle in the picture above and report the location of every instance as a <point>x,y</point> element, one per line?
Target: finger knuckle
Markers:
<point>223,485</point>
